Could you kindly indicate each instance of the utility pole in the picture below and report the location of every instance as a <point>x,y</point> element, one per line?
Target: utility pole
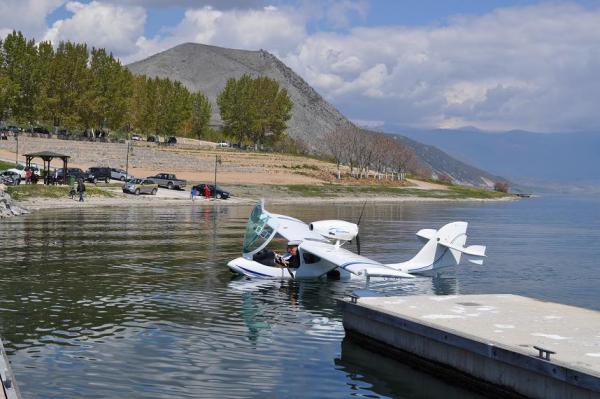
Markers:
<point>217,161</point>
<point>127,163</point>
<point>17,153</point>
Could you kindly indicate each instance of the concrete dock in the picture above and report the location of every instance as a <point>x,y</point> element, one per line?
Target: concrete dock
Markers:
<point>513,345</point>
<point>8,388</point>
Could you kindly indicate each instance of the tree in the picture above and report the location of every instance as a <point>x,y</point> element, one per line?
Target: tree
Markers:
<point>335,143</point>
<point>19,57</point>
<point>254,110</point>
<point>111,88</point>
<point>236,107</point>
<point>201,110</point>
<point>8,96</point>
<point>501,186</point>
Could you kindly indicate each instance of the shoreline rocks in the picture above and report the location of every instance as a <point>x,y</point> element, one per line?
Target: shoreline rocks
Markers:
<point>8,208</point>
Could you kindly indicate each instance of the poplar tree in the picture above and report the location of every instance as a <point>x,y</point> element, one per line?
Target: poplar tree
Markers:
<point>201,110</point>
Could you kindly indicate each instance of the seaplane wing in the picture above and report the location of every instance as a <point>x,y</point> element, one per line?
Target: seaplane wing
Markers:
<point>349,261</point>
<point>293,229</point>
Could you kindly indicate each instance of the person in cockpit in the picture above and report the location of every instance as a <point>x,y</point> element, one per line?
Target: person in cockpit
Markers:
<point>290,258</point>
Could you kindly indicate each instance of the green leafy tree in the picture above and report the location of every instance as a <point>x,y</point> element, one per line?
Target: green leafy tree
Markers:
<point>237,108</point>
<point>19,57</point>
<point>9,91</point>
<point>201,109</point>
<point>255,110</point>
<point>111,89</point>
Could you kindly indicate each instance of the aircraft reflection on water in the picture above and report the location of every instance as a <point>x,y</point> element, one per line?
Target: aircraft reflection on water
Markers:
<point>260,299</point>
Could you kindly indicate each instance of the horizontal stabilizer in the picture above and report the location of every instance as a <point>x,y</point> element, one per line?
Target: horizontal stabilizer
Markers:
<point>472,250</point>
<point>427,234</point>
<point>475,250</point>
<point>477,261</point>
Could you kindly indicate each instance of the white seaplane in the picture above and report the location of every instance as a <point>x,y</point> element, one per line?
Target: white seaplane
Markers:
<point>320,251</point>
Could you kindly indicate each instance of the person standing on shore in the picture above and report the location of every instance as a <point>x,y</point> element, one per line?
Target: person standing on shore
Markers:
<point>80,189</point>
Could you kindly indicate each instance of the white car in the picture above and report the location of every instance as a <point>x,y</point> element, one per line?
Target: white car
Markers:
<point>223,144</point>
<point>20,169</point>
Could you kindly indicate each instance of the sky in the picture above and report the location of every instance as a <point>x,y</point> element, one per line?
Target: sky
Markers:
<point>491,64</point>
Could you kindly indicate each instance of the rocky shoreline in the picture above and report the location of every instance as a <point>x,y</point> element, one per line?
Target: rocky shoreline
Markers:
<point>8,207</point>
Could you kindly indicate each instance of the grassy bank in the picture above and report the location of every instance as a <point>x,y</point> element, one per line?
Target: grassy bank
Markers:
<point>32,191</point>
<point>6,165</point>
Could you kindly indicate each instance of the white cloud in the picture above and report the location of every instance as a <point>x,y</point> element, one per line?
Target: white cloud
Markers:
<point>27,16</point>
<point>277,29</point>
<point>521,67</point>
<point>106,25</point>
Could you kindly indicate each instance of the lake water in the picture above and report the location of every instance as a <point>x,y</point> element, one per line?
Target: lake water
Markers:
<point>138,302</point>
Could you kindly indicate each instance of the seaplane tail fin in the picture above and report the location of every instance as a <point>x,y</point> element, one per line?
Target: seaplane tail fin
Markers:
<point>444,248</point>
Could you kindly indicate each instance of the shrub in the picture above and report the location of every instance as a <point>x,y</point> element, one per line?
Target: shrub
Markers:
<point>501,186</point>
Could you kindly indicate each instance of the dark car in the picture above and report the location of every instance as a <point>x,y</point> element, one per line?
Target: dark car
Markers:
<point>96,174</point>
<point>221,194</point>
<point>40,130</point>
<point>75,172</point>
<point>171,140</point>
<point>9,174</point>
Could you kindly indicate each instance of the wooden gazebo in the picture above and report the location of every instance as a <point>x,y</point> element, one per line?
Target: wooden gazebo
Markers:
<point>47,157</point>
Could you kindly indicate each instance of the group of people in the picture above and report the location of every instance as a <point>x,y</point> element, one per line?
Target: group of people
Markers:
<point>30,177</point>
<point>205,192</point>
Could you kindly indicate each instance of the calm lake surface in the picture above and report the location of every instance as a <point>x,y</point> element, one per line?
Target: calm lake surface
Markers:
<point>138,302</point>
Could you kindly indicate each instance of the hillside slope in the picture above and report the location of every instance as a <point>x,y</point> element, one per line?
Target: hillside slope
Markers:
<point>207,68</point>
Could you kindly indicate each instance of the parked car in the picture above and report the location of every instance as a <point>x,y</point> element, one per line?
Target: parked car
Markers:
<point>16,177</point>
<point>140,186</point>
<point>223,144</point>
<point>40,130</point>
<point>168,180</point>
<point>75,172</point>
<point>152,139</point>
<point>8,181</point>
<point>96,174</point>
<point>20,169</point>
<point>171,140</point>
<point>119,174</point>
<point>135,137</point>
<point>221,194</point>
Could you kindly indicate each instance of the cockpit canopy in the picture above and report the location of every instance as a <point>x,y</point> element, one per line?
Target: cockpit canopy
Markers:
<point>260,230</point>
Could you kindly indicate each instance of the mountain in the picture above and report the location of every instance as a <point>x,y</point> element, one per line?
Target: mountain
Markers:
<point>207,68</point>
<point>443,164</point>
<point>543,160</point>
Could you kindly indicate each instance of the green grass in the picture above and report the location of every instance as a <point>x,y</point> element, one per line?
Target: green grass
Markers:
<point>333,190</point>
<point>6,165</point>
<point>31,191</point>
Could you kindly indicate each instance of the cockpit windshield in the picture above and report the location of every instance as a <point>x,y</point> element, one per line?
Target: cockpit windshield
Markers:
<point>260,230</point>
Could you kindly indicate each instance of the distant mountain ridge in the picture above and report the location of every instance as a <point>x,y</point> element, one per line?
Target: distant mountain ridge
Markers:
<point>207,68</point>
<point>529,158</point>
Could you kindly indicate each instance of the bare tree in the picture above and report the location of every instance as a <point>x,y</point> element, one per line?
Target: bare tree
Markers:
<point>336,144</point>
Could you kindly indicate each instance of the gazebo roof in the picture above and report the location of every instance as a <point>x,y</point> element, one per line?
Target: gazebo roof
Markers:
<point>46,154</point>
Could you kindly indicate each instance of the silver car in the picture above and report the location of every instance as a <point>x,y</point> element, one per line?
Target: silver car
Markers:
<point>140,186</point>
<point>119,174</point>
